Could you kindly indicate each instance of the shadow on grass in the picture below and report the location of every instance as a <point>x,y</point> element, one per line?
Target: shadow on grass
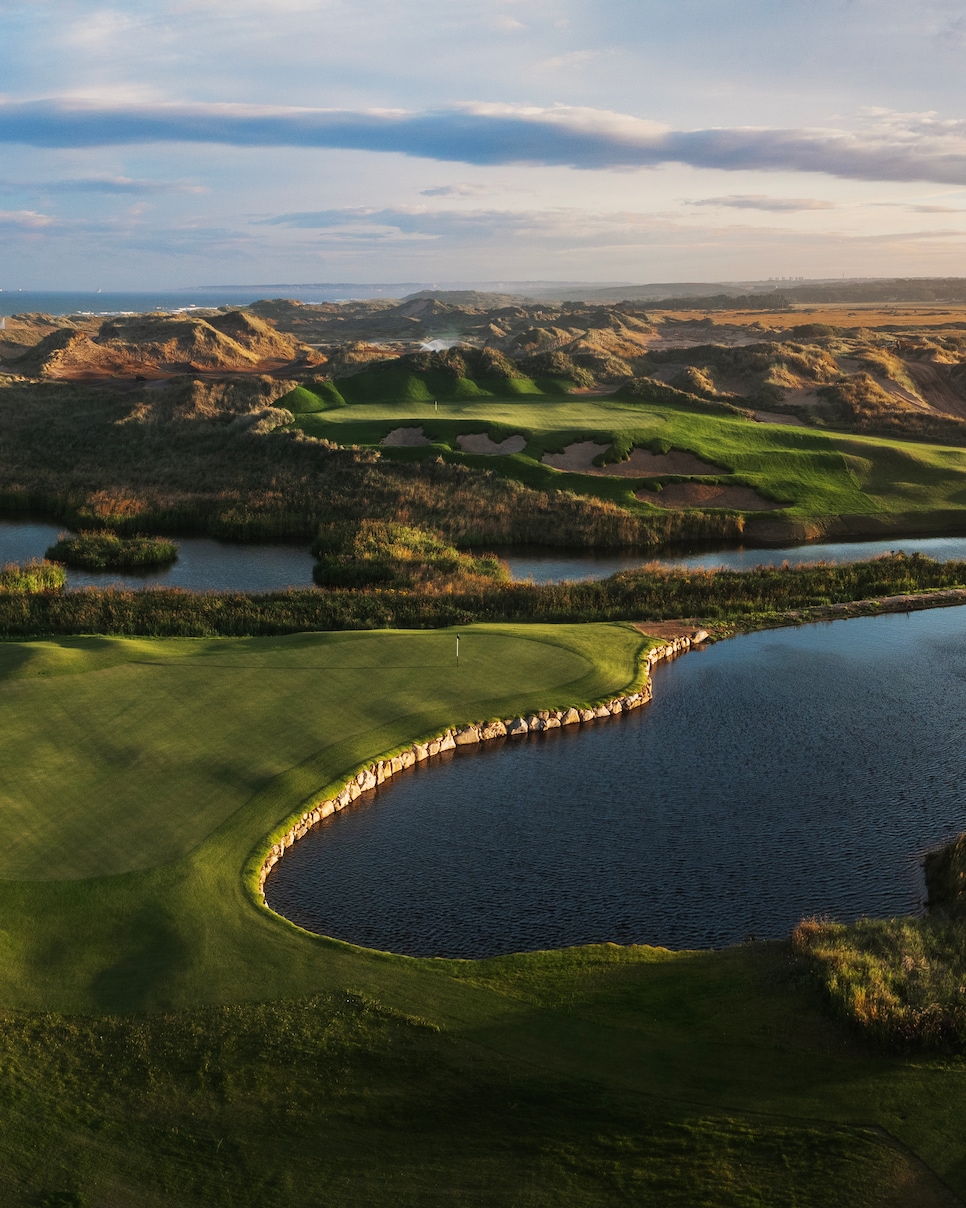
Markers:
<point>148,951</point>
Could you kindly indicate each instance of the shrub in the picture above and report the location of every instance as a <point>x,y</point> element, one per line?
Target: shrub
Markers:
<point>105,550</point>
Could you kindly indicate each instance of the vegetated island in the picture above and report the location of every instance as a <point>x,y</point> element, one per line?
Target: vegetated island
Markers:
<point>192,1047</point>
<point>105,550</point>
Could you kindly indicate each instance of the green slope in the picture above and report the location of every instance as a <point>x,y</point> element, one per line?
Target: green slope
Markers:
<point>813,473</point>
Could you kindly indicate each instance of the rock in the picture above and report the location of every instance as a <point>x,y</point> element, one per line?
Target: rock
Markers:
<point>699,636</point>
<point>380,772</point>
<point>552,723</point>
<point>537,724</point>
<point>586,714</point>
<point>492,729</point>
<point>447,743</point>
<point>614,707</point>
<point>570,718</point>
<point>368,781</point>
<point>601,711</point>
<point>395,765</point>
<point>517,727</point>
<point>354,791</point>
<point>466,736</point>
<point>421,751</point>
<point>433,747</point>
<point>407,759</point>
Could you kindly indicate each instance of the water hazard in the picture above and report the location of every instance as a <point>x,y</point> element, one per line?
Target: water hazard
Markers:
<point>203,564</point>
<point>207,565</point>
<point>546,565</point>
<point>783,774</point>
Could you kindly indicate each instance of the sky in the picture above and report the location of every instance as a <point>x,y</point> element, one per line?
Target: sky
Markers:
<point>175,143</point>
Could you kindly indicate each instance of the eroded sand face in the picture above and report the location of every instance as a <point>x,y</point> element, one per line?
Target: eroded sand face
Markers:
<point>579,458</point>
<point>679,495</point>
<point>773,417</point>
<point>479,442</point>
<point>405,438</point>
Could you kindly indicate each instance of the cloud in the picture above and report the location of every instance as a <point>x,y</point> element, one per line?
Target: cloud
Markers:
<point>887,146</point>
<point>460,190</point>
<point>924,209</point>
<point>25,219</point>
<point>761,201</point>
<point>123,185</point>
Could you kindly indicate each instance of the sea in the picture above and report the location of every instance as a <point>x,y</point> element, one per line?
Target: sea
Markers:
<point>72,302</point>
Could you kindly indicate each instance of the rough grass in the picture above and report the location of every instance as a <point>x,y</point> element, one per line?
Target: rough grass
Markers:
<point>342,1098</point>
<point>35,576</point>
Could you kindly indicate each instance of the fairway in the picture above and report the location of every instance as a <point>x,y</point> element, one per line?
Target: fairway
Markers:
<point>809,473</point>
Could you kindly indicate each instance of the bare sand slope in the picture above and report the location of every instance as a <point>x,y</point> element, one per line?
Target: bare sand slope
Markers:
<point>479,442</point>
<point>773,417</point>
<point>936,388</point>
<point>579,458</point>
<point>679,495</point>
<point>405,438</point>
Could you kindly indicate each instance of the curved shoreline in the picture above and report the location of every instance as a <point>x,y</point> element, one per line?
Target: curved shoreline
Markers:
<point>472,734</point>
<point>377,772</point>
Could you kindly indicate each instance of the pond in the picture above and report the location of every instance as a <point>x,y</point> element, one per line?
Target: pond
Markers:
<point>545,565</point>
<point>208,565</point>
<point>203,564</point>
<point>778,775</point>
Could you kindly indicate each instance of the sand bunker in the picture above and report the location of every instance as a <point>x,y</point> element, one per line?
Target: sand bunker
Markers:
<point>405,438</point>
<point>479,442</point>
<point>708,495</point>
<point>579,458</point>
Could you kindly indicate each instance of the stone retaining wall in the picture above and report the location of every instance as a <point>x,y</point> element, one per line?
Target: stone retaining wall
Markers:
<point>463,736</point>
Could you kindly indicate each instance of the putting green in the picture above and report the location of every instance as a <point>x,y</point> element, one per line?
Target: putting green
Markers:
<point>124,755</point>
<point>808,472</point>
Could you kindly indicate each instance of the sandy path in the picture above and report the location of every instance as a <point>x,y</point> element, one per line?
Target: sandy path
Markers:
<point>579,458</point>
<point>479,442</point>
<point>708,495</point>
<point>405,438</point>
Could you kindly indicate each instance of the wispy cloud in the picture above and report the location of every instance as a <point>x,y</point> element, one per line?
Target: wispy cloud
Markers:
<point>459,190</point>
<point>885,147</point>
<point>123,185</point>
<point>761,201</point>
<point>28,220</point>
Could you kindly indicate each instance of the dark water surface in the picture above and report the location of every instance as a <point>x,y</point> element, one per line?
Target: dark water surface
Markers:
<point>777,775</point>
<point>203,564</point>
<point>545,565</point>
<point>207,565</point>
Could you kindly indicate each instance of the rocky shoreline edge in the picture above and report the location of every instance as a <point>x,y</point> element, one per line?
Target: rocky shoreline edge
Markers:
<point>473,734</point>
